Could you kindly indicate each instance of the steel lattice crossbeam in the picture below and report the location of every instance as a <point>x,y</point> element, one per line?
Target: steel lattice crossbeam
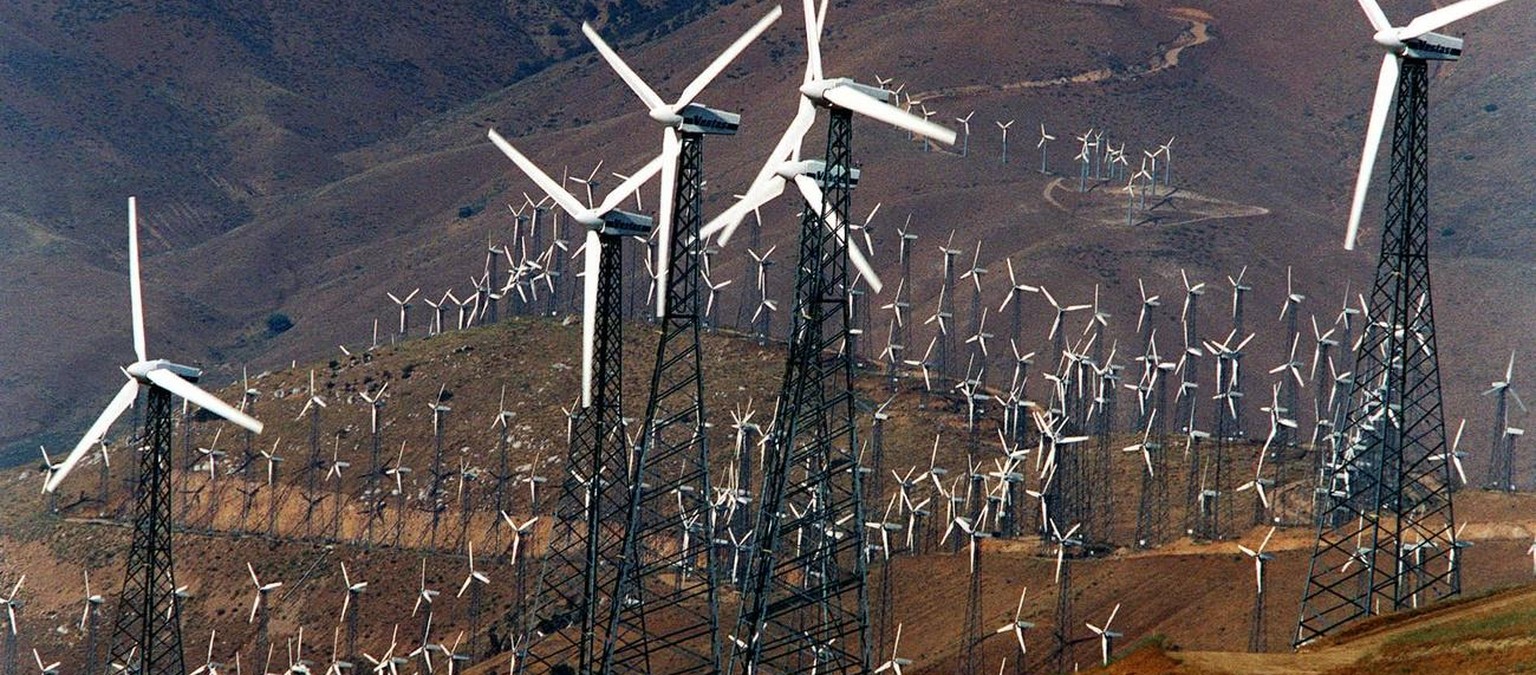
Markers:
<point>1385,539</point>
<point>146,635</point>
<point>805,605</point>
<point>669,613</point>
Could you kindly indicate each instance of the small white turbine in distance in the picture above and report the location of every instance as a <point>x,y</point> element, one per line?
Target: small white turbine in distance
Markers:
<point>353,588</point>
<point>1003,126</point>
<point>474,574</point>
<point>50,669</point>
<point>896,663</point>
<point>261,592</point>
<point>1018,625</point>
<point>1259,558</point>
<point>171,377</point>
<point>1106,636</point>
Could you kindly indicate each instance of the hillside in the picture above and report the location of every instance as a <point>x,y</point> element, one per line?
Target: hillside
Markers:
<point>310,168</point>
<point>1487,633</point>
<point>224,530</point>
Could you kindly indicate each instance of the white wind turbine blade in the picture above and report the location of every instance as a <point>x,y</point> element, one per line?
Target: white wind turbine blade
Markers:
<point>726,57</point>
<point>120,403</point>
<point>758,195</point>
<point>135,285</point>
<point>814,197</point>
<point>767,184</point>
<point>863,104</point>
<point>788,147</point>
<point>565,199</point>
<point>1386,86</point>
<point>812,40</point>
<point>1374,14</point>
<point>647,95</point>
<point>1437,19</point>
<point>628,187</point>
<point>173,383</point>
<point>671,148</point>
<point>593,256</point>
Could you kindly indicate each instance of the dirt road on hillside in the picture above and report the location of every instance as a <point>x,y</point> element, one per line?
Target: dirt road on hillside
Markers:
<point>1197,33</point>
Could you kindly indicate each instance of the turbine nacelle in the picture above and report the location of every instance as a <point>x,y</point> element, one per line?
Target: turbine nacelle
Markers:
<point>1426,47</point>
<point>140,371</point>
<point>816,169</point>
<point>623,224</point>
<point>698,119</point>
<point>816,90</point>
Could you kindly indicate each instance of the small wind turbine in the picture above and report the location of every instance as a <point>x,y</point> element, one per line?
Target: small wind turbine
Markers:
<point>1018,625</point>
<point>1044,139</point>
<point>965,122</point>
<point>897,663</point>
<point>1004,127</point>
<point>1256,637</point>
<point>405,308</point>
<point>1106,636</point>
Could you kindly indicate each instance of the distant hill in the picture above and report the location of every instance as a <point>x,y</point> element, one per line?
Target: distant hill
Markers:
<point>306,163</point>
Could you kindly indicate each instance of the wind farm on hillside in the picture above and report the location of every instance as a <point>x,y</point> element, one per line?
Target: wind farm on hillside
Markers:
<point>1058,406</point>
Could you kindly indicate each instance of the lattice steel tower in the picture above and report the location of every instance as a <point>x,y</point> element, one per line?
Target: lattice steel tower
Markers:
<point>669,613</point>
<point>579,571</point>
<point>146,635</point>
<point>805,606</point>
<point>1385,541</point>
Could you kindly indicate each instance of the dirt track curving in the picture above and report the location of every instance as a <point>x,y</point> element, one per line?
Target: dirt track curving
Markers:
<point>1197,33</point>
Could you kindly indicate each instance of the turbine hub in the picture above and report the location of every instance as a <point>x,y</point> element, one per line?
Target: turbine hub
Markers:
<point>1387,38</point>
<point>140,370</point>
<point>666,116</point>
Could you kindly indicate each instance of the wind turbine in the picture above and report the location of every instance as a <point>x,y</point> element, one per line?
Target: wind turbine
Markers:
<point>50,669</point>
<point>1166,150</point>
<point>965,122</point>
<point>475,582</point>
<point>843,96</point>
<point>156,608</point>
<point>262,604</point>
<point>1411,46</point>
<point>159,374</point>
<point>684,122</point>
<point>600,449</point>
<point>405,308</point>
<point>824,273</point>
<point>11,632</point>
<point>353,589</point>
<point>1106,636</point>
<point>1044,139</point>
<point>1256,641</point>
<point>1501,467</point>
<point>603,221</point>
<point>1004,127</point>
<point>897,663</point>
<point>1400,330</point>
<point>1018,626</point>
